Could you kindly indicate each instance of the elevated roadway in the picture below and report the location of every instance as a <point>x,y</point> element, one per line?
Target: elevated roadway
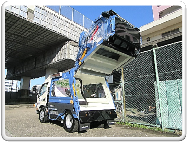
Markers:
<point>36,39</point>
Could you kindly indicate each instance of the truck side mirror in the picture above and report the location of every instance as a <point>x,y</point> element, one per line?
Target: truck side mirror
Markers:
<point>34,88</point>
<point>38,94</point>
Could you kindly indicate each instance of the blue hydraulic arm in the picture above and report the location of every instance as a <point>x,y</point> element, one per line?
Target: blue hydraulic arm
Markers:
<point>110,30</point>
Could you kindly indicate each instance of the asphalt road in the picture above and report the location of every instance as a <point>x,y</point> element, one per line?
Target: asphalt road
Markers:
<point>22,121</point>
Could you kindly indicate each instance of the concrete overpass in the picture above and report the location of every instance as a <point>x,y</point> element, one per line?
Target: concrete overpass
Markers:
<point>38,42</point>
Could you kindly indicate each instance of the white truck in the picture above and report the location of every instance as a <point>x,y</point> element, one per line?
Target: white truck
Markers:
<point>81,95</point>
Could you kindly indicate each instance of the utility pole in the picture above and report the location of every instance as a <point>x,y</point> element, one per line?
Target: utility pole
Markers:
<point>123,94</point>
<point>158,87</point>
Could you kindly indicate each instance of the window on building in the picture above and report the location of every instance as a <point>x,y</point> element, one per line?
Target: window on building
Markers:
<point>170,32</point>
<point>168,11</point>
<point>175,31</point>
<point>160,14</point>
<point>148,39</point>
<point>165,34</point>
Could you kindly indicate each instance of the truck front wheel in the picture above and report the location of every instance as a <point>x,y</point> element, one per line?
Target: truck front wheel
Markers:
<point>43,117</point>
<point>70,123</point>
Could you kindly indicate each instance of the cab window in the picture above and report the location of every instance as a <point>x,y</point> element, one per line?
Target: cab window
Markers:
<point>60,88</point>
<point>78,86</point>
<point>94,90</point>
<point>43,89</point>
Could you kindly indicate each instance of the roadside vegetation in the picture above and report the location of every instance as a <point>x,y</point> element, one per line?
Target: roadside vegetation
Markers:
<point>141,126</point>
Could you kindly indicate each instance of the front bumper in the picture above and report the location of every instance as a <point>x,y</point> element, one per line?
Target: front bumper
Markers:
<point>37,110</point>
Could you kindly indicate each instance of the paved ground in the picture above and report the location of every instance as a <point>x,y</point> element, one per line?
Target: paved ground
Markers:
<point>22,121</point>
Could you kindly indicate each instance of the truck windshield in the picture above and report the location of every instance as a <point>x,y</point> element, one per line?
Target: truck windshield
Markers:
<point>94,91</point>
<point>89,90</point>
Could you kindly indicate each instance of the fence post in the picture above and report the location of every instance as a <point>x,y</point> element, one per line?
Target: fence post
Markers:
<point>123,96</point>
<point>83,21</point>
<point>59,10</point>
<point>158,87</point>
<point>72,13</point>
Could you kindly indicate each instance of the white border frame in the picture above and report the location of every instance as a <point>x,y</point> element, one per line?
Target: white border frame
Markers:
<point>95,2</point>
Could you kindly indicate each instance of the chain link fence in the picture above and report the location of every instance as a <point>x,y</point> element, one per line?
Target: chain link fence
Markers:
<point>168,91</point>
<point>153,88</point>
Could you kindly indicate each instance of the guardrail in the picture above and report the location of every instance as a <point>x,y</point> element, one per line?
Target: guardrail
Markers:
<point>63,20</point>
<point>66,11</point>
<point>73,15</point>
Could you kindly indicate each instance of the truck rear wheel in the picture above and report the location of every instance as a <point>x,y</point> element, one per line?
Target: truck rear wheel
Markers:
<point>70,123</point>
<point>43,117</point>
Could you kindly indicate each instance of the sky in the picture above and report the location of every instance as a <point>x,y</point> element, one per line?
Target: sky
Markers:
<point>136,15</point>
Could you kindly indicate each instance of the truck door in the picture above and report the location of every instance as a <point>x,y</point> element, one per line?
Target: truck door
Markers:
<point>59,97</point>
<point>42,96</point>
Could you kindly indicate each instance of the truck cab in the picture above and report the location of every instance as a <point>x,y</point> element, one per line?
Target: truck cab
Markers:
<point>43,94</point>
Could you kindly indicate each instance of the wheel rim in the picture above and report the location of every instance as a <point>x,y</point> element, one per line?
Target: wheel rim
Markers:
<point>41,115</point>
<point>69,121</point>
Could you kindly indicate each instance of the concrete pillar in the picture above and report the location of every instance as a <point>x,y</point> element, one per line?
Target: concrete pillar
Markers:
<point>24,90</point>
<point>25,83</point>
<point>50,71</point>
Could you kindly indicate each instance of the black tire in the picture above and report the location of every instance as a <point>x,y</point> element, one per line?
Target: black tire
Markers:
<point>70,123</point>
<point>43,116</point>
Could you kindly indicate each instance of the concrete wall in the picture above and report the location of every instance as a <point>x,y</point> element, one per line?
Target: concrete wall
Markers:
<point>14,98</point>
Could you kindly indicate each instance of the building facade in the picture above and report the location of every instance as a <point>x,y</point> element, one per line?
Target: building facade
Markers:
<point>11,86</point>
<point>165,29</point>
